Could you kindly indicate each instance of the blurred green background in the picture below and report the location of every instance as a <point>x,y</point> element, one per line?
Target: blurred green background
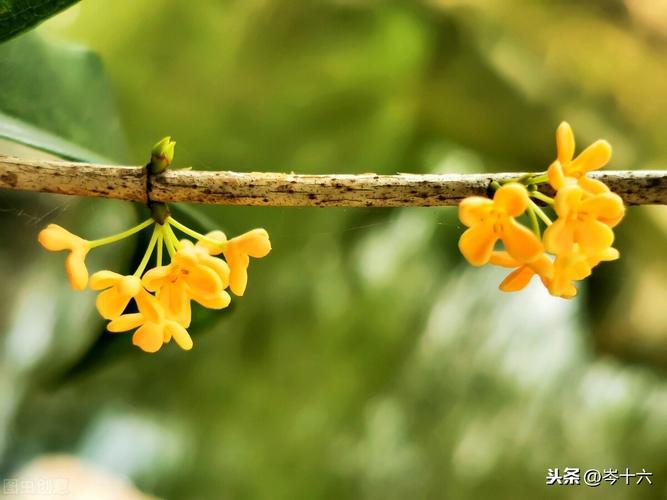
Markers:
<point>366,360</point>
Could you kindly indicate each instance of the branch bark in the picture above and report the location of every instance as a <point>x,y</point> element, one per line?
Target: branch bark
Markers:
<point>640,187</point>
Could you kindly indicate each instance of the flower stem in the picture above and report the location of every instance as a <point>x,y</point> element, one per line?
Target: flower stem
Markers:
<point>542,197</point>
<point>540,213</point>
<point>120,236</point>
<point>149,252</point>
<point>193,233</point>
<point>534,222</point>
<point>538,179</point>
<point>160,242</point>
<point>168,242</point>
<point>172,236</point>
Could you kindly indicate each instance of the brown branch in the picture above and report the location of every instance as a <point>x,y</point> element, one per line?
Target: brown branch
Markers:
<point>639,187</point>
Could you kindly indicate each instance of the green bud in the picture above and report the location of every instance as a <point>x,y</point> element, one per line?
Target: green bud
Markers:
<point>162,155</point>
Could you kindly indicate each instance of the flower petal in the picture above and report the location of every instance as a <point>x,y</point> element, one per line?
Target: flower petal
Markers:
<point>129,285</point>
<point>219,266</point>
<point>567,199</point>
<point>76,268</point>
<point>607,207</point>
<point>126,322</point>
<point>203,279</point>
<point>593,236</point>
<point>564,290</point>
<point>473,209</point>
<point>557,177</point>
<point>111,303</point>
<point>543,267</point>
<point>157,277</point>
<point>104,279</point>
<point>608,255</point>
<point>594,157</point>
<point>559,238</point>
<point>56,238</point>
<point>217,301</point>
<point>520,242</point>
<point>503,259</point>
<point>565,143</point>
<point>476,244</point>
<point>512,198</point>
<point>174,299</point>
<point>579,269</point>
<point>180,335</point>
<point>187,256</point>
<point>254,243</point>
<point>592,186</point>
<point>517,279</point>
<point>238,267</point>
<point>149,337</point>
<point>149,306</point>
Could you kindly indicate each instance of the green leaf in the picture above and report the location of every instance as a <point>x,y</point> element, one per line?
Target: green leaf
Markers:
<point>17,16</point>
<point>23,133</point>
<point>57,98</point>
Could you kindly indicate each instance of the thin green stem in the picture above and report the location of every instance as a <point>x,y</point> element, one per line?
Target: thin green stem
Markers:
<point>538,179</point>
<point>540,213</point>
<point>160,242</point>
<point>121,236</point>
<point>173,237</point>
<point>148,253</point>
<point>194,234</point>
<point>534,222</point>
<point>542,197</point>
<point>168,242</point>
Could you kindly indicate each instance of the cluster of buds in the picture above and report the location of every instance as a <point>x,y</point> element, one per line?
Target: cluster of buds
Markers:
<point>192,271</point>
<point>580,237</point>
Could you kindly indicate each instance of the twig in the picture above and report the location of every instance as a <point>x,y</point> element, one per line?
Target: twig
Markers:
<point>639,187</point>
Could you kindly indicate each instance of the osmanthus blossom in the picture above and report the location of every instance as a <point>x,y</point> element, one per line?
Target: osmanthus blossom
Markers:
<point>583,219</point>
<point>579,239</point>
<point>492,220</point>
<point>153,325</point>
<point>162,294</point>
<point>567,169</point>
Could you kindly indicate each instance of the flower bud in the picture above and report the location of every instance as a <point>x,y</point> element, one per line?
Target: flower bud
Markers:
<point>162,155</point>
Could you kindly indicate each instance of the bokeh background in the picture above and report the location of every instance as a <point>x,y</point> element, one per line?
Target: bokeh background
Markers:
<point>366,360</point>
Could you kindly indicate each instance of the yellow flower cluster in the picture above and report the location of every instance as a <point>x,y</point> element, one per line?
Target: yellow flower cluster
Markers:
<point>163,294</point>
<point>578,240</point>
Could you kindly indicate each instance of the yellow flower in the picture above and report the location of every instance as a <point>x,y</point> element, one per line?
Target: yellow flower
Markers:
<point>118,291</point>
<point>55,239</point>
<point>567,169</point>
<point>556,276</point>
<point>491,220</point>
<point>575,266</point>
<point>583,219</point>
<point>519,278</point>
<point>153,326</point>
<point>192,274</point>
<point>237,253</point>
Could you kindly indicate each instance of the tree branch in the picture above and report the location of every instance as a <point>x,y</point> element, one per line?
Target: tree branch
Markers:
<point>639,187</point>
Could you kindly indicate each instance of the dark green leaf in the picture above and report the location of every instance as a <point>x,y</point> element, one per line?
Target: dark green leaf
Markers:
<point>17,16</point>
